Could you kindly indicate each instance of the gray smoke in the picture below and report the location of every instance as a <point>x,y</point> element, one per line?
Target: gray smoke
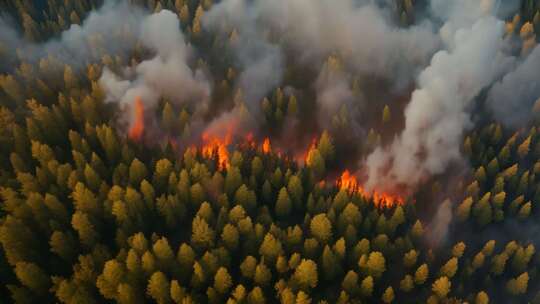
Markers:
<point>360,33</point>
<point>438,113</point>
<point>115,29</point>
<point>512,99</point>
<point>166,75</point>
<point>440,224</point>
<point>107,30</point>
<point>260,60</point>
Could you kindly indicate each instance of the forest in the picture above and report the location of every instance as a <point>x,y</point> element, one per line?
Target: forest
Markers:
<point>255,151</point>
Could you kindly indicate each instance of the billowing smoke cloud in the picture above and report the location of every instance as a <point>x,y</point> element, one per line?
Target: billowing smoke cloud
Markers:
<point>513,98</point>
<point>333,92</point>
<point>437,115</point>
<point>167,74</point>
<point>115,29</point>
<point>360,33</point>
<point>109,30</point>
<point>260,60</point>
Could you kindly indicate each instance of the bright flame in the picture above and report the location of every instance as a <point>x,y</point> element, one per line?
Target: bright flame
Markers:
<point>137,128</point>
<point>266,148</point>
<point>348,182</point>
<point>217,147</point>
<point>307,158</point>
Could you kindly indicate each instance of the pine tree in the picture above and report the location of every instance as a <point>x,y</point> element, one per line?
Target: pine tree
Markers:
<point>247,268</point>
<point>296,191</point>
<point>306,274</point>
<point>481,298</point>
<point>316,163</point>
<point>366,286</point>
<point>410,258</point>
<point>350,282</point>
<point>421,274</point>
<point>262,275</point>
<point>158,288</point>
<point>325,147</point>
<point>386,115</point>
<point>137,172</point>
<point>388,295</point>
<point>407,284</point>
<point>450,268</point>
<point>441,287</point>
<point>376,264</point>
<point>222,280</point>
<point>109,280</point>
<point>233,180</point>
<point>202,235</point>
<point>270,248</point>
<point>321,228</point>
<point>33,277</point>
<point>230,236</point>
<point>283,204</point>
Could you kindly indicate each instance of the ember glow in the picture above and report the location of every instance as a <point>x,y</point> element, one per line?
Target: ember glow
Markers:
<point>266,148</point>
<point>307,158</point>
<point>137,128</point>
<point>217,147</point>
<point>348,182</point>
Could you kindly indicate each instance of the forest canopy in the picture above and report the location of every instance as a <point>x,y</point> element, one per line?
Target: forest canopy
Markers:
<point>285,151</point>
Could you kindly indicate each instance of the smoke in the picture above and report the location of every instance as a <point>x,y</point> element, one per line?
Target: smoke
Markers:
<point>166,75</point>
<point>260,60</point>
<point>9,42</point>
<point>440,224</point>
<point>116,29</point>
<point>360,33</point>
<point>511,100</point>
<point>438,113</point>
<point>107,30</point>
<point>334,92</point>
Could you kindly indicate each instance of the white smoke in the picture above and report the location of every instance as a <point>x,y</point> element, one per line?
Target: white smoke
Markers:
<point>360,33</point>
<point>167,74</point>
<point>438,113</point>
<point>111,29</point>
<point>512,99</point>
<point>439,225</point>
<point>260,60</point>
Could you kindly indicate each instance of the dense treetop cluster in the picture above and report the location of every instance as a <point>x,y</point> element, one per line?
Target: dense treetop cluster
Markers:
<point>90,216</point>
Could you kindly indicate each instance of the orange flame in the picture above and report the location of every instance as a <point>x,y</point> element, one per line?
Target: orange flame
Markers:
<point>266,148</point>
<point>349,183</point>
<point>137,128</point>
<point>217,147</point>
<point>308,154</point>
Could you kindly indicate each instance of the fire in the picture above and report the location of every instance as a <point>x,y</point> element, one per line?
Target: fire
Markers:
<point>137,128</point>
<point>266,148</point>
<point>215,146</point>
<point>348,182</point>
<point>307,158</point>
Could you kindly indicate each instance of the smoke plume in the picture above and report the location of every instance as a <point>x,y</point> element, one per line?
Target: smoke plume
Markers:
<point>109,29</point>
<point>167,74</point>
<point>513,98</point>
<point>440,224</point>
<point>361,33</point>
<point>438,113</point>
